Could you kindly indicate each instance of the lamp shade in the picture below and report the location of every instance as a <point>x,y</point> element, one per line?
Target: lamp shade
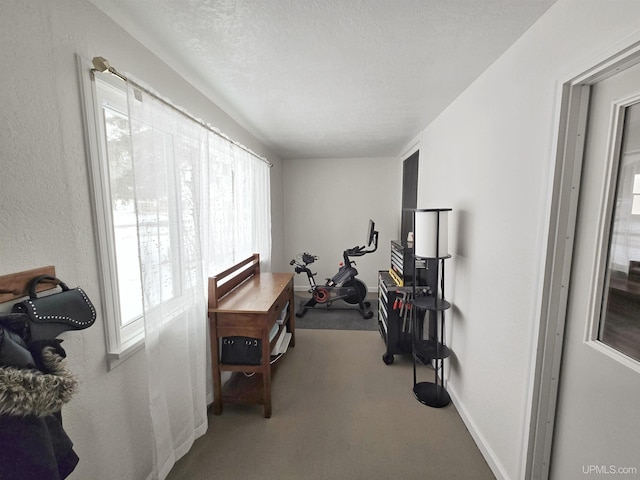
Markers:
<point>430,233</point>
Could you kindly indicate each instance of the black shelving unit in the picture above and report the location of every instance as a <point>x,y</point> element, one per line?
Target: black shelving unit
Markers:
<point>402,266</point>
<point>393,321</point>
<point>434,348</point>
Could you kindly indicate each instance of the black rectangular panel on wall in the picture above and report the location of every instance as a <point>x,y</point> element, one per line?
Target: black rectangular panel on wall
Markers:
<point>409,194</point>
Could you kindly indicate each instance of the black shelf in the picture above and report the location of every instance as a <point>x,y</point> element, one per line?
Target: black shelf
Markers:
<point>431,394</point>
<point>430,349</point>
<point>431,303</point>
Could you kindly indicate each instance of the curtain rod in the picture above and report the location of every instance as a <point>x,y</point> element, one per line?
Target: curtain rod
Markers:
<point>100,64</point>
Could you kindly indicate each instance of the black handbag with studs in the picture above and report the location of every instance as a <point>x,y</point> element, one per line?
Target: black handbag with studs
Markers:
<point>50,315</point>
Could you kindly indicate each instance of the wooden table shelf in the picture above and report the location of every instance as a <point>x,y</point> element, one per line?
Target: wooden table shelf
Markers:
<point>244,302</point>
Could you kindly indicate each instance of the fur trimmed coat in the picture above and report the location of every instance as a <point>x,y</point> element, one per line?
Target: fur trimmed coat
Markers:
<point>33,444</point>
<point>31,392</point>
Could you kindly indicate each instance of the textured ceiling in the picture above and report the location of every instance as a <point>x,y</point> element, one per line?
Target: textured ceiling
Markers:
<point>329,78</point>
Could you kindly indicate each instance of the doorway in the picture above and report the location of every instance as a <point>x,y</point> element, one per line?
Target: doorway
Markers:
<point>584,420</point>
<point>409,194</point>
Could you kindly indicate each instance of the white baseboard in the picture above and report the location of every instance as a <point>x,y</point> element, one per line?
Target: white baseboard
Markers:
<point>487,452</point>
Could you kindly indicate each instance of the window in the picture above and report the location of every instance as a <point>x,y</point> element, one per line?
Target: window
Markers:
<point>173,199</point>
<point>619,322</point>
<point>114,192</point>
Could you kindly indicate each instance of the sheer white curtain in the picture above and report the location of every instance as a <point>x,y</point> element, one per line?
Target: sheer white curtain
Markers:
<point>170,163</point>
<point>258,192</point>
<point>202,204</point>
<point>240,206</point>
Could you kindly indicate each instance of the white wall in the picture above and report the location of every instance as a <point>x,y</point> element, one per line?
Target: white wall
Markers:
<point>492,153</point>
<point>327,207</point>
<point>45,212</point>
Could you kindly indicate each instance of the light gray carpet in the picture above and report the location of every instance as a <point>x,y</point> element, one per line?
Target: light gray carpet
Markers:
<point>338,413</point>
<point>339,316</point>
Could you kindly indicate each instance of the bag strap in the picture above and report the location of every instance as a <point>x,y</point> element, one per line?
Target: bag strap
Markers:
<point>33,283</point>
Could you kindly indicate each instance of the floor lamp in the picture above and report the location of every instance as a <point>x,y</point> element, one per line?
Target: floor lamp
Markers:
<point>430,246</point>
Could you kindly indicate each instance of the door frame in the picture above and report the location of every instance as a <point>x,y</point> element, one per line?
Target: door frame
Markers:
<point>569,150</point>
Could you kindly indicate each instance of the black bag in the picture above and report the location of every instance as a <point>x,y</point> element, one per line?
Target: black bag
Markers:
<point>241,351</point>
<point>50,315</point>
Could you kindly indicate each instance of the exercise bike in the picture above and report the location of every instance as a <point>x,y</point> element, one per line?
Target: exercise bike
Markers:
<point>343,285</point>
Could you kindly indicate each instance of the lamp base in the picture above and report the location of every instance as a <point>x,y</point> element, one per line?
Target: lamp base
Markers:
<point>431,394</point>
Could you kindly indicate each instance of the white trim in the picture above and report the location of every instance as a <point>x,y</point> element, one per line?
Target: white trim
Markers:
<point>121,342</point>
<point>116,356</point>
<point>609,179</point>
<point>93,151</point>
<point>483,445</point>
<point>562,213</point>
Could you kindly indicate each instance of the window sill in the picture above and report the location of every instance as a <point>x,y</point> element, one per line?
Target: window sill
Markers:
<point>116,357</point>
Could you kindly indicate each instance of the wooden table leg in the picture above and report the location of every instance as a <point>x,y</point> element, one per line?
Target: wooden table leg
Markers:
<point>215,367</point>
<point>266,375</point>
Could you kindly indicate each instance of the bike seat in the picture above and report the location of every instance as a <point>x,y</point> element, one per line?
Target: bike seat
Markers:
<point>308,258</point>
